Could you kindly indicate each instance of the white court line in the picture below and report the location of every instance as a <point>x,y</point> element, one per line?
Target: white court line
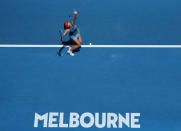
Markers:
<point>98,46</point>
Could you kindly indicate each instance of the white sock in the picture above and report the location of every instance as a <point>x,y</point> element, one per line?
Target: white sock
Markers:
<point>70,53</point>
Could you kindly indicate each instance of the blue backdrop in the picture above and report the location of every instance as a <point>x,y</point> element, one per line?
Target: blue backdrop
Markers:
<point>95,80</point>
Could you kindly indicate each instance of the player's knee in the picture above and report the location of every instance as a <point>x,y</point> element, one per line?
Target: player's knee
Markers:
<point>80,40</point>
<point>79,43</point>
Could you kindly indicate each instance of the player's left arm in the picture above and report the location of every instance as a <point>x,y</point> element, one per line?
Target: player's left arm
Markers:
<point>75,17</point>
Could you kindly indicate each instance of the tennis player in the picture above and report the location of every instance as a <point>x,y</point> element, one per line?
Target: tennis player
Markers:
<point>74,34</point>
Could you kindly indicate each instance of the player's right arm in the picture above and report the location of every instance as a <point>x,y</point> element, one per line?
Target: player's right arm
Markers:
<point>65,32</point>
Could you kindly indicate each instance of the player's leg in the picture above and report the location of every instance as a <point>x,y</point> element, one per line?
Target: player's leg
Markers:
<point>78,41</point>
<point>78,44</point>
<point>73,47</point>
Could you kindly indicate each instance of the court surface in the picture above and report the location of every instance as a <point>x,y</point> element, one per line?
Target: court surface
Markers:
<point>144,80</point>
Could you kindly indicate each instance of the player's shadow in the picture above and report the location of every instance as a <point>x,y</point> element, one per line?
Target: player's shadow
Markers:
<point>67,43</point>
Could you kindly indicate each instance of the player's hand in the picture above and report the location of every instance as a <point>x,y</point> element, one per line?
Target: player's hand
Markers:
<point>75,12</point>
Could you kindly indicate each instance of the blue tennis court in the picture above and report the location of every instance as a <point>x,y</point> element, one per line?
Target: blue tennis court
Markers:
<point>120,80</point>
